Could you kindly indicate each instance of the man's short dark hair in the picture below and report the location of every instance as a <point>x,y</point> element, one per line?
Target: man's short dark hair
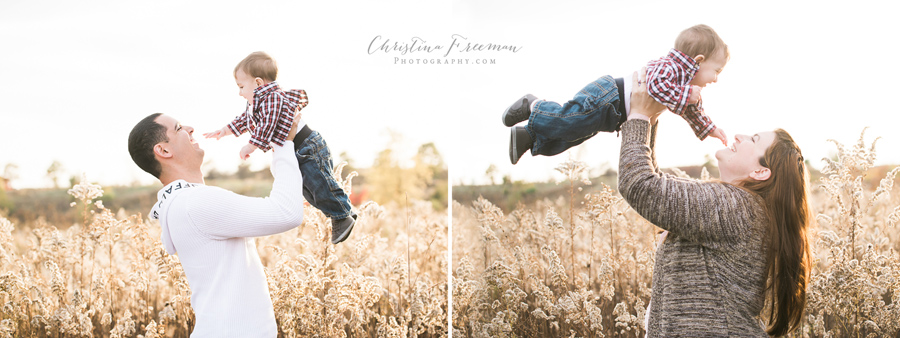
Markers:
<point>144,136</point>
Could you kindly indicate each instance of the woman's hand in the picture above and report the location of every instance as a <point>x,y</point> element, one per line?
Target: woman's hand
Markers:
<point>642,105</point>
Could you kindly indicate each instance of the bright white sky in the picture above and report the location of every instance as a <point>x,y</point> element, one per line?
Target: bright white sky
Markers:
<point>76,77</point>
<point>818,71</point>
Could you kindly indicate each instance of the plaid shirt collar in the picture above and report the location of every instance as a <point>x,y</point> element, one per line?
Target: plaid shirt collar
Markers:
<point>264,90</point>
<point>683,61</point>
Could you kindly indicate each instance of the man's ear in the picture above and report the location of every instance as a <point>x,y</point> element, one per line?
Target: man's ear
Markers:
<point>761,174</point>
<point>699,58</point>
<point>160,150</point>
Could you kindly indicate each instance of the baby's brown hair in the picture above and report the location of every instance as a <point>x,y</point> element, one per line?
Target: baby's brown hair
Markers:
<point>258,64</point>
<point>700,40</point>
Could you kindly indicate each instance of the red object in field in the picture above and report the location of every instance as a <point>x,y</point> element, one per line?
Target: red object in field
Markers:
<point>359,196</point>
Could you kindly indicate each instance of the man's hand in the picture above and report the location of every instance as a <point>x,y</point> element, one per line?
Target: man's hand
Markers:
<point>246,150</point>
<point>695,94</point>
<point>293,131</point>
<point>720,134</point>
<point>225,131</point>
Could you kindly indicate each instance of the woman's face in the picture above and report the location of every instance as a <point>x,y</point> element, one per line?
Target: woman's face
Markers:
<point>738,161</point>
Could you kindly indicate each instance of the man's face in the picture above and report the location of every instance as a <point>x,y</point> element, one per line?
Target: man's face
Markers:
<point>181,145</point>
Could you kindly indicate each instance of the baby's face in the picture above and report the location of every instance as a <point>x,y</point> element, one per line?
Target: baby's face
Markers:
<point>246,84</point>
<point>709,69</point>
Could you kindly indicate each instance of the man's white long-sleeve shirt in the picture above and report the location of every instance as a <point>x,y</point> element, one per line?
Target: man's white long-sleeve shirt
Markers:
<point>212,231</point>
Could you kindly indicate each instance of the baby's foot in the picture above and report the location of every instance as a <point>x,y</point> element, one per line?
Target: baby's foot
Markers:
<point>340,229</point>
<point>519,143</point>
<point>519,110</point>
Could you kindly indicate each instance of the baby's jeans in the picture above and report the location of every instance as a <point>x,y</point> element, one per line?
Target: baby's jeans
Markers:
<point>599,106</point>
<point>320,188</point>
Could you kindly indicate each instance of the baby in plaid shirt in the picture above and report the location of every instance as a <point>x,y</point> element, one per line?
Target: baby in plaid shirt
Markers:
<point>268,117</point>
<point>674,80</point>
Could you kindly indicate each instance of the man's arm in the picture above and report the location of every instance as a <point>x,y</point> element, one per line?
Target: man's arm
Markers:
<point>224,214</point>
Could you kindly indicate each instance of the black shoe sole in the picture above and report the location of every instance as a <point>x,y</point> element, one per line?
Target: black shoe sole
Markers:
<point>513,149</point>
<point>526,100</point>
<point>516,150</point>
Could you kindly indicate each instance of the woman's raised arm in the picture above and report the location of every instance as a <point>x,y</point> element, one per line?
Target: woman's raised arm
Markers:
<point>696,210</point>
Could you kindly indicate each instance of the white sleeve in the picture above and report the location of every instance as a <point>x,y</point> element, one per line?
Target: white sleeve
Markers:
<point>220,213</point>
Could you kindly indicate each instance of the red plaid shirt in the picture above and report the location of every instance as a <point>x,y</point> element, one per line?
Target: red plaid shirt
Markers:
<point>669,82</point>
<point>270,116</point>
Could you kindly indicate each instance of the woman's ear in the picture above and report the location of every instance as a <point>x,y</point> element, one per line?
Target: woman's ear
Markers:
<point>761,174</point>
<point>699,58</point>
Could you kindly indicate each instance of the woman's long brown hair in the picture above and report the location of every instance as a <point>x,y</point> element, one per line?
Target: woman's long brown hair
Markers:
<point>786,196</point>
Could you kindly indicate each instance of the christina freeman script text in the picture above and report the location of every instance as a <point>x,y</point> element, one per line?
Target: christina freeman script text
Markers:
<point>458,44</point>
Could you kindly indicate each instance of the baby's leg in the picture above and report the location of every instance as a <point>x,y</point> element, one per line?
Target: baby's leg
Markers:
<point>321,189</point>
<point>555,128</point>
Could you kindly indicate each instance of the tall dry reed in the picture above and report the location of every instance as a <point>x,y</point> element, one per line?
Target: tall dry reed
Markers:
<point>109,276</point>
<point>582,267</point>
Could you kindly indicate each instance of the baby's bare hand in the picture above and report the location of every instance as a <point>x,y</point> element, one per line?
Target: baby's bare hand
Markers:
<point>218,134</point>
<point>215,134</point>
<point>246,150</point>
<point>720,134</point>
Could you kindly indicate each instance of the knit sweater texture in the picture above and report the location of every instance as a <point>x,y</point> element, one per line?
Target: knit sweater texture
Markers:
<point>709,278</point>
<point>213,229</point>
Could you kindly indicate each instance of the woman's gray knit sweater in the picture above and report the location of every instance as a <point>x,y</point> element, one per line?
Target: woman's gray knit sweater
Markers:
<point>710,275</point>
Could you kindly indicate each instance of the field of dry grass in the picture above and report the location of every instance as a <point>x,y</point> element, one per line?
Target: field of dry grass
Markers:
<point>581,265</point>
<point>109,276</point>
<point>575,266</point>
